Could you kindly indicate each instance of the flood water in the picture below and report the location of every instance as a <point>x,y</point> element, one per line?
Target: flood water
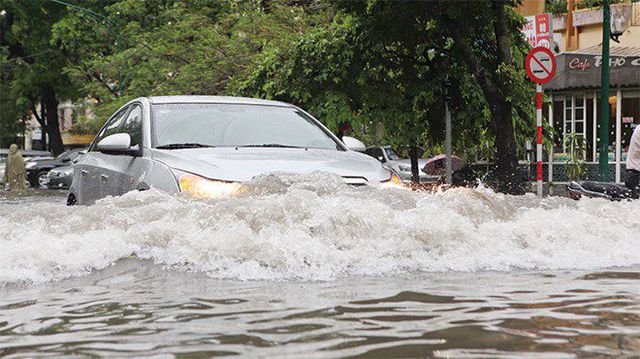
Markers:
<point>306,266</point>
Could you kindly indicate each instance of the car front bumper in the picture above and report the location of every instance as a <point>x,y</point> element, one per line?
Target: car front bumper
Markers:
<point>63,182</point>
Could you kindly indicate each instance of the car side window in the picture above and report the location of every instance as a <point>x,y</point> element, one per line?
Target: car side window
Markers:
<point>133,125</point>
<point>111,127</point>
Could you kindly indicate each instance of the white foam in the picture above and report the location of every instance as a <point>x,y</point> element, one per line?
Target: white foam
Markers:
<point>313,227</point>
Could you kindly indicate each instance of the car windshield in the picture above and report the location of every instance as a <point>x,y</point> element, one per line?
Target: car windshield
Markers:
<point>225,125</point>
<point>392,156</point>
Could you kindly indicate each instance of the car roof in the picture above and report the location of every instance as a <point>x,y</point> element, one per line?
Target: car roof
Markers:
<point>216,99</point>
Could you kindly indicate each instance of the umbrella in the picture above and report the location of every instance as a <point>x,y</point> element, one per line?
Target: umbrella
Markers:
<point>437,165</point>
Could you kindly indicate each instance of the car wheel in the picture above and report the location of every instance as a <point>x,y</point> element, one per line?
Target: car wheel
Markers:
<point>71,200</point>
<point>42,179</point>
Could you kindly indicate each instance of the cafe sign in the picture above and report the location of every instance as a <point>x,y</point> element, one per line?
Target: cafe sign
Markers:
<point>588,63</point>
<point>576,70</point>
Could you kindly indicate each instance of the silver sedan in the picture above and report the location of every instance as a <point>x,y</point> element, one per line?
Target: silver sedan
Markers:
<point>209,145</point>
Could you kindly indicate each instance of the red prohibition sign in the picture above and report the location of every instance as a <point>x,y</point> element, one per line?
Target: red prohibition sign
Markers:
<point>540,65</point>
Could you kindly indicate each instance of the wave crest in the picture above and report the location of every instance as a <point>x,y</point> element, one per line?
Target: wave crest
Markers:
<point>314,227</point>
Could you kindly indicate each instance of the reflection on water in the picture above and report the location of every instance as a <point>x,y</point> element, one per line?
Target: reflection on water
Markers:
<point>136,308</point>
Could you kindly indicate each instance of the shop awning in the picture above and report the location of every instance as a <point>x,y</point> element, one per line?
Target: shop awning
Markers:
<point>581,68</point>
<point>76,139</point>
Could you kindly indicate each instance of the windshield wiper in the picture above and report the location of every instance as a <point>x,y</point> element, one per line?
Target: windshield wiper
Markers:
<point>271,145</point>
<point>175,146</point>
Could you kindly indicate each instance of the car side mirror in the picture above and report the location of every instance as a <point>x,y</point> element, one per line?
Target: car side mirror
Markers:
<point>117,144</point>
<point>66,160</point>
<point>353,144</point>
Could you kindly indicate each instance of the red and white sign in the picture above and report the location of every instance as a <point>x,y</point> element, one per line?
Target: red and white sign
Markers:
<point>539,30</point>
<point>540,65</point>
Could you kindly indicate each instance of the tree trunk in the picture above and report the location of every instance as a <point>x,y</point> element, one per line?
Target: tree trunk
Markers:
<point>41,120</point>
<point>415,171</point>
<point>506,166</point>
<point>50,103</point>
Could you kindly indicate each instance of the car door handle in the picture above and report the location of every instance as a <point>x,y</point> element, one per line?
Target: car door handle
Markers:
<point>104,178</point>
<point>84,173</point>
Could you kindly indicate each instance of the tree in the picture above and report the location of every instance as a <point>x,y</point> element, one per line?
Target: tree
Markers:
<point>386,62</point>
<point>356,71</point>
<point>35,67</point>
<point>483,41</point>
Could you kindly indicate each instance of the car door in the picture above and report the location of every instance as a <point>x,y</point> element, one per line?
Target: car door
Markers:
<point>87,175</point>
<point>119,173</point>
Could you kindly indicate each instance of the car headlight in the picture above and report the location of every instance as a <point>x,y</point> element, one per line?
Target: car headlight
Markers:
<point>206,188</point>
<point>65,173</point>
<point>404,168</point>
<point>393,182</point>
<point>30,165</point>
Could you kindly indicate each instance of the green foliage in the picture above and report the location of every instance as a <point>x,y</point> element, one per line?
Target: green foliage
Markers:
<point>555,7</point>
<point>32,69</point>
<point>576,168</point>
<point>385,63</point>
<point>559,7</point>
<point>172,47</point>
<point>380,66</point>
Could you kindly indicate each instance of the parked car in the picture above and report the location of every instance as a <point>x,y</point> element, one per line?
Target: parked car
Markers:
<point>4,152</point>
<point>60,177</point>
<point>401,166</point>
<point>38,168</point>
<point>209,145</point>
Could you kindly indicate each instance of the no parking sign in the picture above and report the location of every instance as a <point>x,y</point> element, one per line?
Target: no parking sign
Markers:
<point>541,66</point>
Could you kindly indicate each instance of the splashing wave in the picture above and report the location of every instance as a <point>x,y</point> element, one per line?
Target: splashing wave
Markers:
<point>313,227</point>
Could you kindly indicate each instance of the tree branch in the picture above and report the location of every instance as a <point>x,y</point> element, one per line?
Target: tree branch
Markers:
<point>501,32</point>
<point>35,114</point>
<point>489,88</point>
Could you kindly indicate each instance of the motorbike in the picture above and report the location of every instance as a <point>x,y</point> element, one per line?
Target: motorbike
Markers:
<point>591,189</point>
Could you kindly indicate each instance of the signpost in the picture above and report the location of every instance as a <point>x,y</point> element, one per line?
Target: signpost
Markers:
<point>541,66</point>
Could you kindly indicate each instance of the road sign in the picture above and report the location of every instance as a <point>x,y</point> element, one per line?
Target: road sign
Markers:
<point>540,65</point>
<point>538,30</point>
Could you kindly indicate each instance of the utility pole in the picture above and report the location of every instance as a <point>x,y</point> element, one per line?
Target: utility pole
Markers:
<point>604,95</point>
<point>449,147</point>
<point>115,29</point>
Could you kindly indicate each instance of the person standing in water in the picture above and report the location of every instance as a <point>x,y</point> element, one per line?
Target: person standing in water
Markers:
<point>633,162</point>
<point>14,173</point>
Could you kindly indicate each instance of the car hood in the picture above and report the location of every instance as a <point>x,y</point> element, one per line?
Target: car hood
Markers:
<point>45,162</point>
<point>62,168</point>
<point>243,164</point>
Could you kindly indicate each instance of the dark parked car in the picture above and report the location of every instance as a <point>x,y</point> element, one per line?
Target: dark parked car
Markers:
<point>38,169</point>
<point>60,177</point>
